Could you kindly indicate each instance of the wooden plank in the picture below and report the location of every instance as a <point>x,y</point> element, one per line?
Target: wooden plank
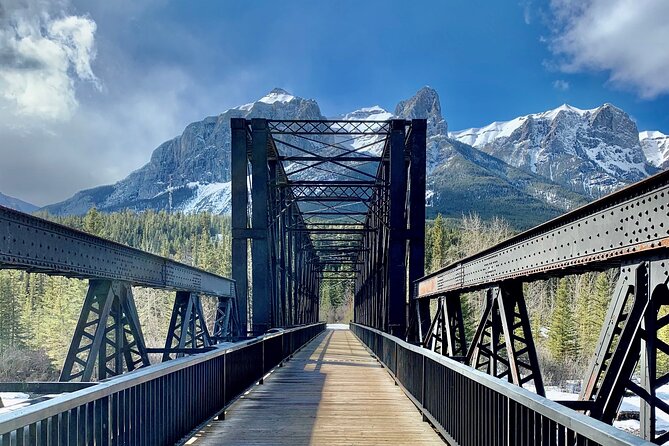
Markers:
<point>332,392</point>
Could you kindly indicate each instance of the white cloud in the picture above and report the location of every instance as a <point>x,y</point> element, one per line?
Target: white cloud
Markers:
<point>626,38</point>
<point>527,11</point>
<point>561,85</point>
<point>41,58</point>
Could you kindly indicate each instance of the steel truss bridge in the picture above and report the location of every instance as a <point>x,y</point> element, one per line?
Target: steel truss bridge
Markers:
<point>344,201</point>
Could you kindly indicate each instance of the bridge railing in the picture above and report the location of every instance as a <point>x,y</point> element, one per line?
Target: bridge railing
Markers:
<point>469,407</point>
<point>156,405</point>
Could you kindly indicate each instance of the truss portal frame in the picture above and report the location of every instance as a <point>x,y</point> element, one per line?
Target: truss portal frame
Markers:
<point>331,201</point>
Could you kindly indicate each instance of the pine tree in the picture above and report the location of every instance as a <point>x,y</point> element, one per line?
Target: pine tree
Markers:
<point>93,222</point>
<point>438,243</point>
<point>562,336</point>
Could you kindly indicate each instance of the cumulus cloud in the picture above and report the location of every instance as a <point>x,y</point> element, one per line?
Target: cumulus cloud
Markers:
<point>58,134</point>
<point>626,38</point>
<point>42,56</point>
<point>561,85</point>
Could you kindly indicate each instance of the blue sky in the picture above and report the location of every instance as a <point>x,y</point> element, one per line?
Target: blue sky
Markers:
<point>136,72</point>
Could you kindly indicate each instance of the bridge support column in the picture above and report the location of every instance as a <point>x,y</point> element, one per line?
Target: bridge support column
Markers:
<point>446,334</point>
<point>503,345</point>
<point>240,198</point>
<point>260,255</point>
<point>108,337</point>
<point>630,337</point>
<point>418,309</point>
<point>188,328</point>
<point>397,268</point>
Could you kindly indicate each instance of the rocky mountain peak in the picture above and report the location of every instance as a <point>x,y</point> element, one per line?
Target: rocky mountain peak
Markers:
<point>591,151</point>
<point>424,104</point>
<point>656,148</point>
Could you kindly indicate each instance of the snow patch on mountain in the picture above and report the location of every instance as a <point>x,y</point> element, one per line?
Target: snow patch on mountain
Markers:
<point>367,144</point>
<point>656,147</point>
<point>479,137</point>
<point>212,197</point>
<point>594,151</point>
<point>277,95</point>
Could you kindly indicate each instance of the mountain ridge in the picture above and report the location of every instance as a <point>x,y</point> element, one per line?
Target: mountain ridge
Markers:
<point>191,172</point>
<point>17,204</point>
<point>592,151</point>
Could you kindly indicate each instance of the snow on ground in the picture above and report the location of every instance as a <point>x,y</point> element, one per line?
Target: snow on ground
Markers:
<point>13,400</point>
<point>337,326</point>
<point>629,404</point>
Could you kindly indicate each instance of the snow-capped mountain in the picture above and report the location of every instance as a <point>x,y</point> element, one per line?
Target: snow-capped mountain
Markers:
<point>462,179</point>
<point>191,172</point>
<point>526,170</point>
<point>16,204</point>
<point>590,151</point>
<point>656,148</point>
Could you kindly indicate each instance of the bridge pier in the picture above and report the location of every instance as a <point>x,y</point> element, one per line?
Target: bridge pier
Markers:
<point>446,334</point>
<point>188,328</point>
<point>503,345</point>
<point>108,337</point>
<point>226,325</point>
<point>630,338</point>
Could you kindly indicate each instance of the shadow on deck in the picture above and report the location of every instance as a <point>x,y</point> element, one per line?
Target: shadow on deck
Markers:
<point>331,392</point>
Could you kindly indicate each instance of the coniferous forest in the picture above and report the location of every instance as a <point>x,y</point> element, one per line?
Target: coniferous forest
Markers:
<point>38,313</point>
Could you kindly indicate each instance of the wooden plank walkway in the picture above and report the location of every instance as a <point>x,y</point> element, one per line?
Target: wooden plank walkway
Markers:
<point>331,393</point>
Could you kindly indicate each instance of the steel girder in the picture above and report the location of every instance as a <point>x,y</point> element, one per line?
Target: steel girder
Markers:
<point>628,229</point>
<point>368,198</point>
<point>599,235</point>
<point>626,357</point>
<point>446,334</point>
<point>37,245</point>
<point>394,252</point>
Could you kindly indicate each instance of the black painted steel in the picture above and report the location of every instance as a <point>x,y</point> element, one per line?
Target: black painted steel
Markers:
<point>188,327</point>
<point>469,407</point>
<point>360,221</point>
<point>629,230</point>
<point>37,245</point>
<point>631,222</point>
<point>158,405</point>
<point>108,339</point>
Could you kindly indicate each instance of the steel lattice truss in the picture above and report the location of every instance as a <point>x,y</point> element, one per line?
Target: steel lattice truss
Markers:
<point>331,200</point>
<point>108,338</point>
<point>627,230</point>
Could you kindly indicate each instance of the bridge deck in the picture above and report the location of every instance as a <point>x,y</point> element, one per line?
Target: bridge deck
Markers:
<point>332,392</point>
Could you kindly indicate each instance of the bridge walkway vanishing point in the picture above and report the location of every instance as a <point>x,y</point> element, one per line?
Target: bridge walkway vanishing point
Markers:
<point>331,392</point>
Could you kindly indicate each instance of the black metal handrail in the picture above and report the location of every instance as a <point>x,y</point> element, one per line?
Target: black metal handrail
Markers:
<point>469,407</point>
<point>157,405</point>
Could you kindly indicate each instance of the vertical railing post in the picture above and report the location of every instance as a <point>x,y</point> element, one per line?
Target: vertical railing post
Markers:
<point>422,390</point>
<point>262,375</point>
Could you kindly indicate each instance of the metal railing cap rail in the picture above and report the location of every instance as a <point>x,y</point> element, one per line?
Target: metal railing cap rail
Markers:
<point>11,421</point>
<point>589,427</point>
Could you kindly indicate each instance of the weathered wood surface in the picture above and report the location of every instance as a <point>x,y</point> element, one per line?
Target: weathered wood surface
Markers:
<point>332,392</point>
